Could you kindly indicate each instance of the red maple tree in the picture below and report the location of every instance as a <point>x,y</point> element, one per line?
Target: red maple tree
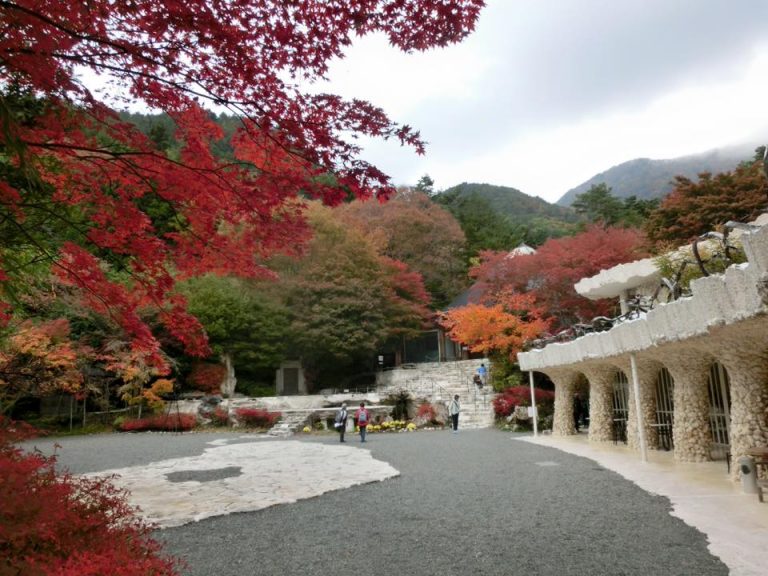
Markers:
<point>696,207</point>
<point>136,219</point>
<point>550,274</point>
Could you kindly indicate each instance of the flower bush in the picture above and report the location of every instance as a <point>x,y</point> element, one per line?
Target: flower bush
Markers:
<point>257,417</point>
<point>410,427</point>
<point>162,422</point>
<point>63,525</point>
<point>427,412</point>
<point>306,429</point>
<point>219,416</point>
<point>504,404</point>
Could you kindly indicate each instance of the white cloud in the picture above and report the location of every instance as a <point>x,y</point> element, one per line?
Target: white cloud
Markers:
<point>543,96</point>
<point>549,162</point>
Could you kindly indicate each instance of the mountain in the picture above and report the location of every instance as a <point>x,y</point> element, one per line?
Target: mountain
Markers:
<point>500,218</point>
<point>509,202</point>
<point>646,178</point>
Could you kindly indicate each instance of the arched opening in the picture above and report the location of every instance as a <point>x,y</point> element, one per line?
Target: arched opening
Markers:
<point>720,412</point>
<point>665,409</point>
<point>620,407</point>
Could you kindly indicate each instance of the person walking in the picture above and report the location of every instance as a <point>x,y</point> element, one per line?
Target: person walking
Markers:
<point>453,410</point>
<point>362,417</point>
<point>482,372</point>
<point>341,421</point>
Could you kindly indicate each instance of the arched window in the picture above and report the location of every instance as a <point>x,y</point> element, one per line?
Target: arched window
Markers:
<point>720,411</point>
<point>620,407</point>
<point>620,396</point>
<point>665,408</point>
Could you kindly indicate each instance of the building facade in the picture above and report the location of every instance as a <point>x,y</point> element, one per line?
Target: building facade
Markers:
<point>699,364</point>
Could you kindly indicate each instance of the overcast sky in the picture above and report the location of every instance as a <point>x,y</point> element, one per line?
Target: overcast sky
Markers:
<point>545,94</point>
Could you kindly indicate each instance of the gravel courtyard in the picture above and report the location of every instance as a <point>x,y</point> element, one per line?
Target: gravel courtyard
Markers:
<point>477,502</point>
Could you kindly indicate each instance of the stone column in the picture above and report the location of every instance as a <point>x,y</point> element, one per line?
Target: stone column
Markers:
<point>748,376</point>
<point>647,373</point>
<point>565,385</point>
<point>601,379</point>
<point>690,432</point>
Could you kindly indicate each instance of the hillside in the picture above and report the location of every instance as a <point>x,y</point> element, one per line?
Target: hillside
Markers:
<point>646,178</point>
<point>509,202</point>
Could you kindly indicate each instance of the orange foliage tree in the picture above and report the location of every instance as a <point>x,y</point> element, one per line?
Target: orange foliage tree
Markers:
<point>499,328</point>
<point>39,359</point>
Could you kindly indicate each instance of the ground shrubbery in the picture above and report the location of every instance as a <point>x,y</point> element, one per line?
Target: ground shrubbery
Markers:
<point>256,417</point>
<point>161,422</point>
<point>219,417</point>
<point>63,525</point>
<point>504,404</point>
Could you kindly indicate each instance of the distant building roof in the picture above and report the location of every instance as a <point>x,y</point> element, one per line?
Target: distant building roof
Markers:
<point>522,250</point>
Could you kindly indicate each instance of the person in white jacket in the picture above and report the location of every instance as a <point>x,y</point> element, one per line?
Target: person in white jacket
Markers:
<point>453,410</point>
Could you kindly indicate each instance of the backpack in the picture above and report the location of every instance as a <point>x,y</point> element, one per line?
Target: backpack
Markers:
<point>362,418</point>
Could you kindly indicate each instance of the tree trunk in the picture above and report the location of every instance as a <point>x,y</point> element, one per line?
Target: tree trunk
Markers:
<point>229,382</point>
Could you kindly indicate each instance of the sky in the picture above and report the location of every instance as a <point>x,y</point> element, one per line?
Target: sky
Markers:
<point>546,94</point>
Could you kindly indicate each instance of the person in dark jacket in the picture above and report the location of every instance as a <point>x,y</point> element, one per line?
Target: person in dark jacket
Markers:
<point>341,421</point>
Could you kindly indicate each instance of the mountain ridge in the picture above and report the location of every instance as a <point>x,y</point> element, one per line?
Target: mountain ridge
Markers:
<point>648,178</point>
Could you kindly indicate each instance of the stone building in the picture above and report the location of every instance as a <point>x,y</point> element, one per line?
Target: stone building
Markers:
<point>699,363</point>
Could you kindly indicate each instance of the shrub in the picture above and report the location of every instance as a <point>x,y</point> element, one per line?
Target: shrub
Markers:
<point>401,404</point>
<point>163,422</point>
<point>207,377</point>
<point>219,416</point>
<point>257,417</point>
<point>504,404</point>
<point>65,525</point>
<point>427,412</point>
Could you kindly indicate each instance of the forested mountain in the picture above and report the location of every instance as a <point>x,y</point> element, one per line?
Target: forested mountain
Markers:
<point>646,178</point>
<point>500,218</point>
<point>509,201</point>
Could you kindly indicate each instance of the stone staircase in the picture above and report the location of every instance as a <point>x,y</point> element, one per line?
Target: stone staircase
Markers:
<point>290,422</point>
<point>438,382</point>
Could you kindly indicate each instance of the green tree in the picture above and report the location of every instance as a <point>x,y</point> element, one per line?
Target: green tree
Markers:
<point>345,300</point>
<point>484,227</point>
<point>426,185</point>
<point>243,320</point>
<point>598,205</point>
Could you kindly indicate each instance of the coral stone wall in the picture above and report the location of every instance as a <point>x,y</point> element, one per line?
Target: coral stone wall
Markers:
<point>565,386</point>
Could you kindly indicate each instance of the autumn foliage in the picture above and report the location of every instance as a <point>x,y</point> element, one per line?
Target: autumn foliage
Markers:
<point>207,377</point>
<point>63,525</point>
<point>256,417</point>
<point>696,207</point>
<point>509,398</point>
<point>500,327</point>
<point>39,359</point>
<point>115,216</point>
<point>413,229</point>
<point>550,274</point>
<point>170,422</point>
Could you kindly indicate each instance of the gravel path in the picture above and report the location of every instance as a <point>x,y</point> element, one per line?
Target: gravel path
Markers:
<point>474,503</point>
